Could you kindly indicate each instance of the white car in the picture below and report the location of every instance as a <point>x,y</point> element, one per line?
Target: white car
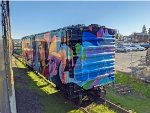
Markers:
<point>122,49</point>
<point>140,48</point>
<point>127,48</point>
<point>133,48</point>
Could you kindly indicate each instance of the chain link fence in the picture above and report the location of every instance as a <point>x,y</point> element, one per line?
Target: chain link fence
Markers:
<point>141,68</point>
<point>7,93</point>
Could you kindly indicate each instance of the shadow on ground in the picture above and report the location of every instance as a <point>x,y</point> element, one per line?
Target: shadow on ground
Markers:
<point>34,95</point>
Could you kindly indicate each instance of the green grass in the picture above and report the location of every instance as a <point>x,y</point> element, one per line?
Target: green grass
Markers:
<point>20,64</point>
<point>54,103</point>
<point>101,109</point>
<point>18,51</point>
<point>50,98</point>
<point>130,102</point>
<point>138,101</point>
<point>134,83</point>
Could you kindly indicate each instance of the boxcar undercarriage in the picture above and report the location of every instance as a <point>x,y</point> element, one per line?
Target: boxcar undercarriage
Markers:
<point>77,94</point>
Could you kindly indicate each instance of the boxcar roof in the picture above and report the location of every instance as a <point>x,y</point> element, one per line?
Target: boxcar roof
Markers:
<point>34,35</point>
<point>78,26</point>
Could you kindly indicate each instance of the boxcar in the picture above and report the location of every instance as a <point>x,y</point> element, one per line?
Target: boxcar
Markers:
<point>76,58</point>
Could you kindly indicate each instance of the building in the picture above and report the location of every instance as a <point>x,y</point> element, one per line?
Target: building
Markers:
<point>140,37</point>
<point>17,46</point>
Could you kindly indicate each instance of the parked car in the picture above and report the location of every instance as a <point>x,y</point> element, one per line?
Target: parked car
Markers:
<point>128,48</point>
<point>133,48</point>
<point>122,49</point>
<point>145,45</point>
<point>140,48</point>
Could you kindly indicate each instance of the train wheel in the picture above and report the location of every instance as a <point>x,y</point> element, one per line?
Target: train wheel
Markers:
<point>55,79</point>
<point>80,96</point>
<point>36,72</point>
<point>26,65</point>
<point>57,88</point>
<point>40,70</point>
<point>103,94</point>
<point>100,94</point>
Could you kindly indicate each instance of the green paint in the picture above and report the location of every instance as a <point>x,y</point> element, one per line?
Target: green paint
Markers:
<point>78,47</point>
<point>71,54</point>
<point>84,54</point>
<point>87,85</point>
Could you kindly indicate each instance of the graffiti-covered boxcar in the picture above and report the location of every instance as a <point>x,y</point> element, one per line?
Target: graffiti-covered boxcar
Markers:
<point>78,57</point>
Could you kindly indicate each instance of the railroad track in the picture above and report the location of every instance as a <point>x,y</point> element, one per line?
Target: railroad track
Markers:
<point>116,107</point>
<point>110,105</point>
<point>106,102</point>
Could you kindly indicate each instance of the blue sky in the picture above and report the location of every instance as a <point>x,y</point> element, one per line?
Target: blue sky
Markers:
<point>35,17</point>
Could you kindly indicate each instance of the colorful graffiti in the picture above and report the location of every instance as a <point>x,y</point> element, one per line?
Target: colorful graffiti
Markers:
<point>82,55</point>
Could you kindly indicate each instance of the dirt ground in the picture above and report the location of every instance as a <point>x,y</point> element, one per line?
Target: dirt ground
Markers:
<point>26,100</point>
<point>123,60</point>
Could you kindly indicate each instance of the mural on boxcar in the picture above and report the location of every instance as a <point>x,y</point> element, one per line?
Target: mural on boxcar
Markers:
<point>59,58</point>
<point>86,74</point>
<point>41,55</point>
<point>27,50</point>
<point>40,52</point>
<point>84,59</point>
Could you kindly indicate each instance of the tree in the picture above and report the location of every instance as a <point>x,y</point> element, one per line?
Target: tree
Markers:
<point>144,29</point>
<point>149,31</point>
<point>117,35</point>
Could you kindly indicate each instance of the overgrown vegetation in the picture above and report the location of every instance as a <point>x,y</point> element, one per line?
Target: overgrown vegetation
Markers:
<point>138,101</point>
